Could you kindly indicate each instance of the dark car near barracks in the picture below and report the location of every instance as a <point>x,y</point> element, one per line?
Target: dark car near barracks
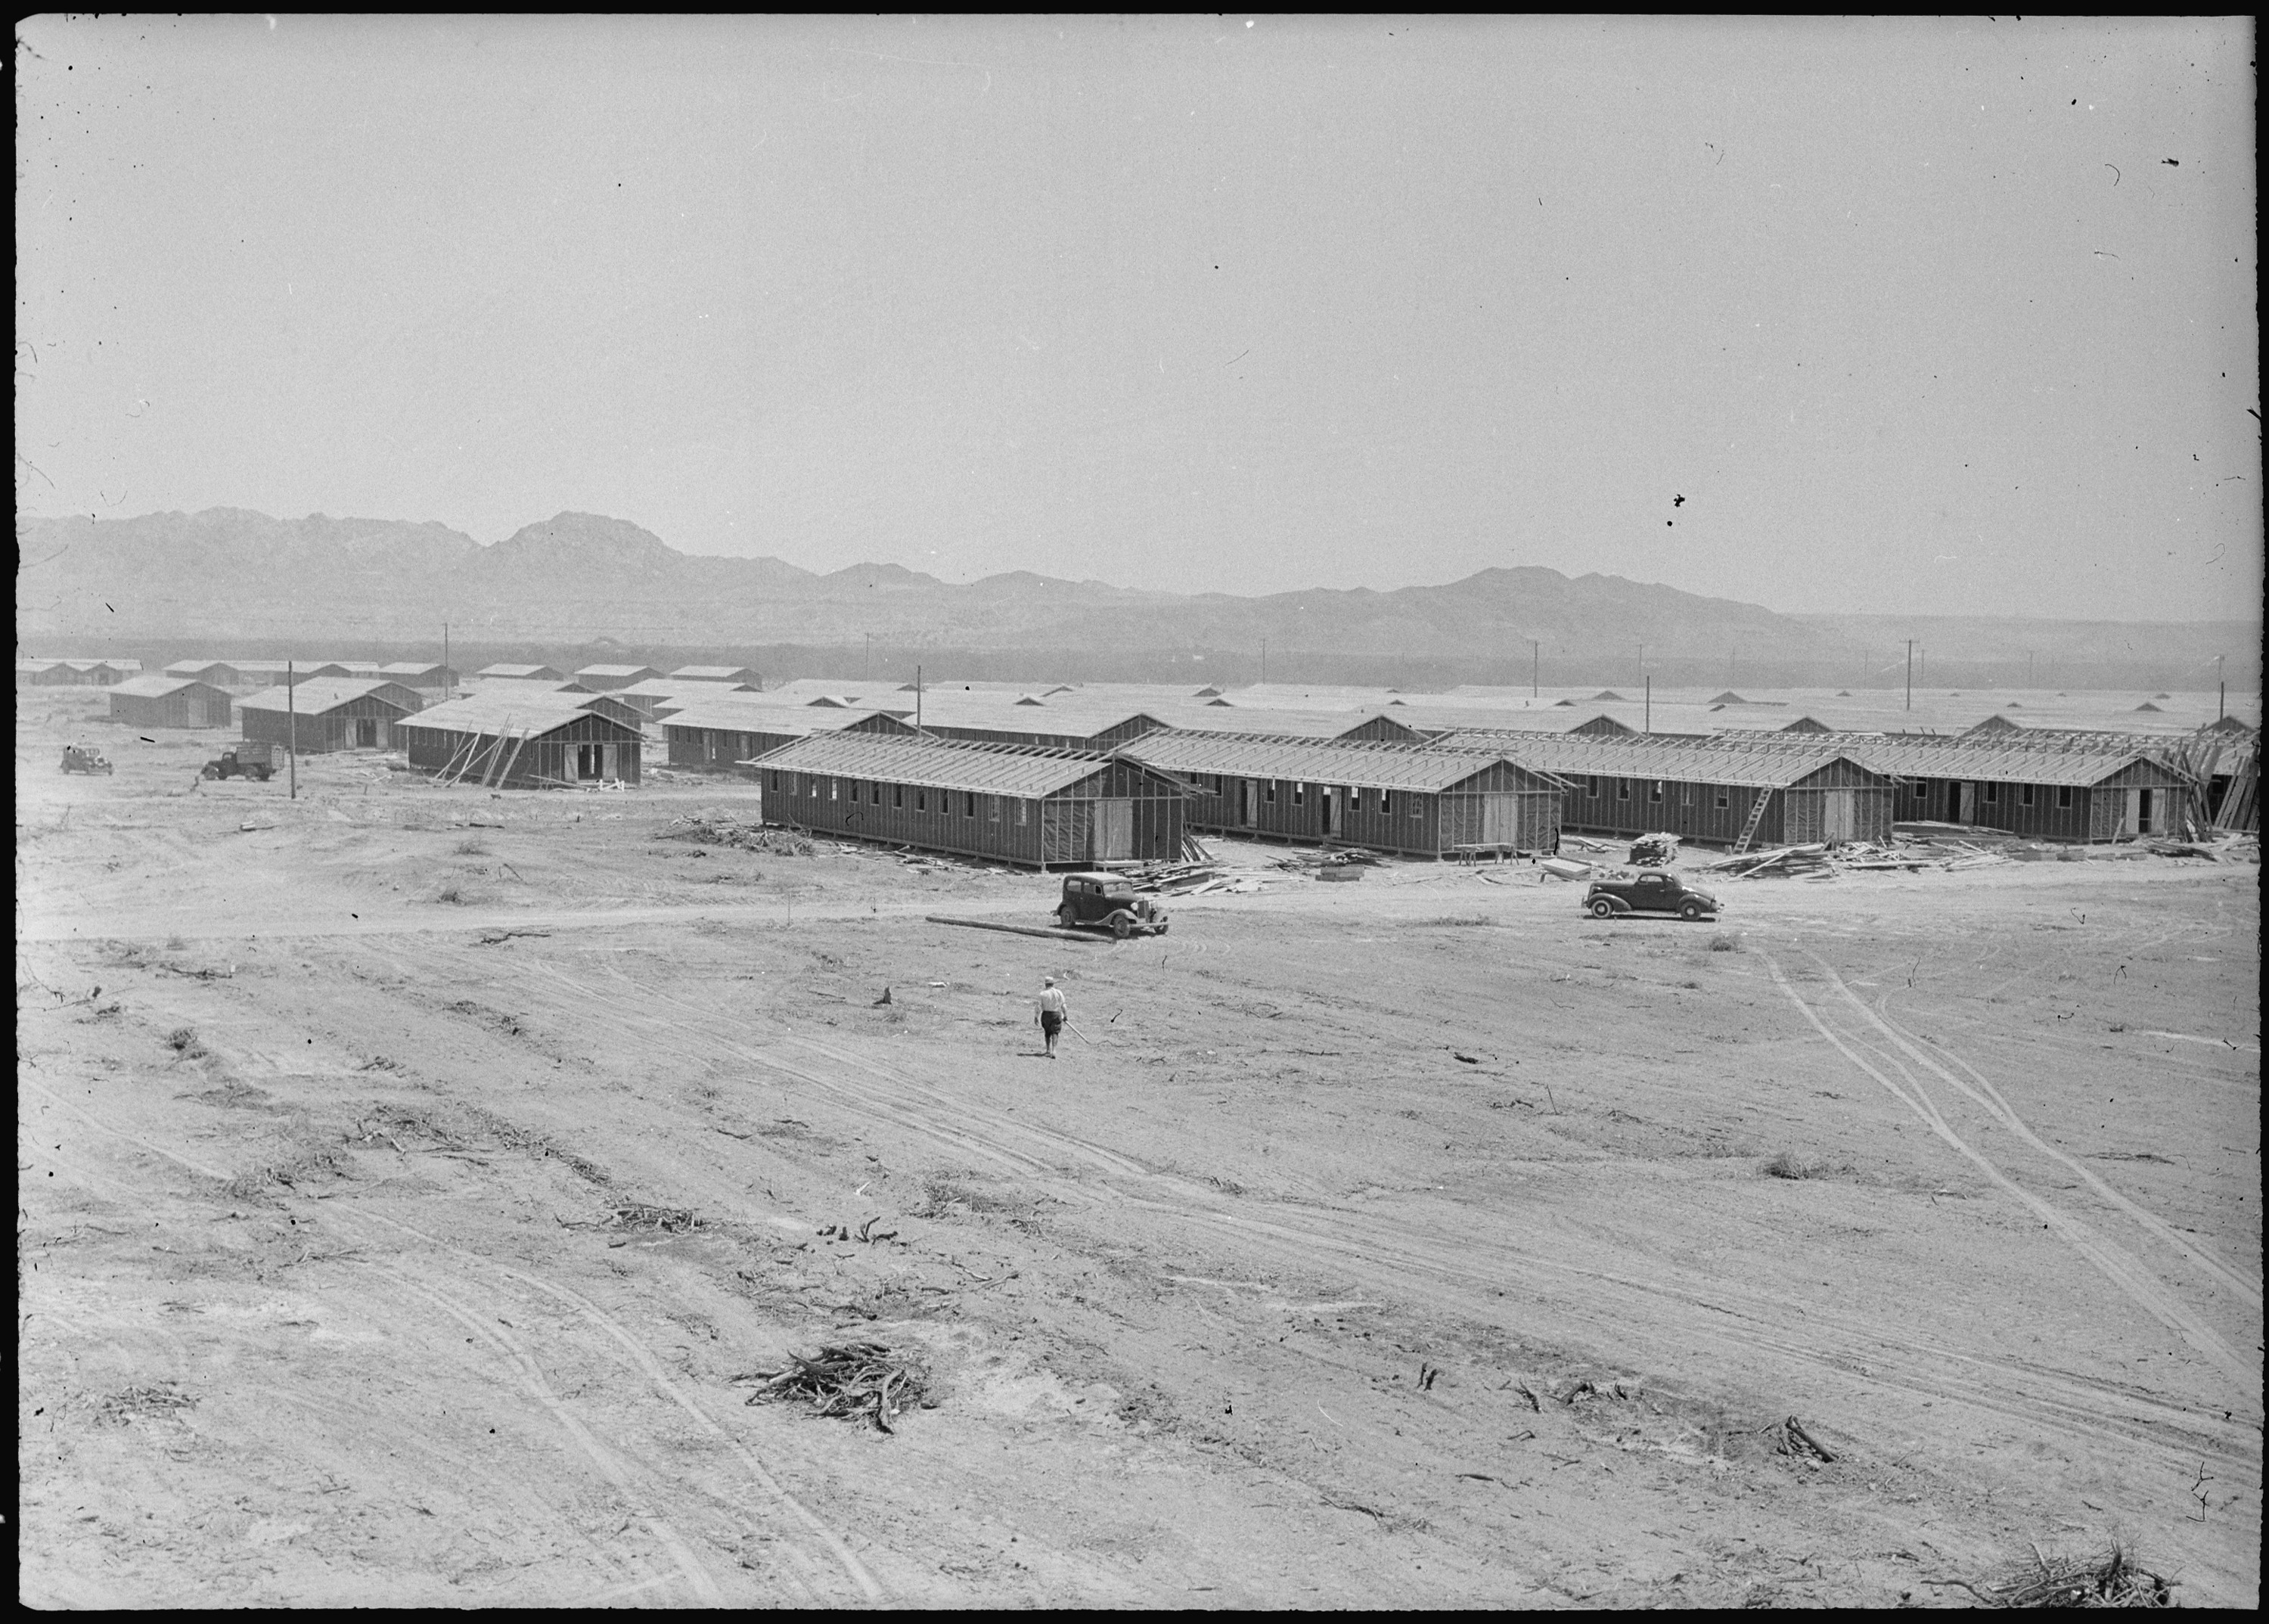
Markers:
<point>1623,891</point>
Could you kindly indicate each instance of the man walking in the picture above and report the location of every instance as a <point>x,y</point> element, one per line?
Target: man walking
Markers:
<point>1053,1013</point>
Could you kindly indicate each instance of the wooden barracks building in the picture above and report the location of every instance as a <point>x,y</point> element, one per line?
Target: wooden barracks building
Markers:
<point>1415,800</point>
<point>1033,809</point>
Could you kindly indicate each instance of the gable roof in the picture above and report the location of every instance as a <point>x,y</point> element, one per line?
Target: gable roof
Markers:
<point>158,687</point>
<point>1358,765</point>
<point>548,673</point>
<point>517,700</point>
<point>298,670</point>
<point>715,674</point>
<point>787,722</point>
<point>534,715</point>
<point>319,694</point>
<point>945,763</point>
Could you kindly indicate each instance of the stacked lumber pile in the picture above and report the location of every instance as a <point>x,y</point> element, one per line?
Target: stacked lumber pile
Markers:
<point>2218,848</point>
<point>1306,861</point>
<point>1780,863</point>
<point>1197,879</point>
<point>1867,855</point>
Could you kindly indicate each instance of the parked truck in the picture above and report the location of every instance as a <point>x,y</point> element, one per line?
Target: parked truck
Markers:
<point>248,759</point>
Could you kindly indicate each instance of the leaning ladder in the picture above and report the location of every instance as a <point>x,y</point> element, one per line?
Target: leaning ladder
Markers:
<point>1749,828</point>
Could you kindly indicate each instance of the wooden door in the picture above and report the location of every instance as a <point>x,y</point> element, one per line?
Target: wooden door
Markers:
<point>1245,803</point>
<point>1839,823</point>
<point>1500,819</point>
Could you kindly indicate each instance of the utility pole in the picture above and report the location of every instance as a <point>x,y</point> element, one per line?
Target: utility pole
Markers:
<point>1264,659</point>
<point>291,725</point>
<point>1910,674</point>
<point>918,691</point>
<point>1647,726</point>
<point>448,676</point>
<point>1642,661</point>
<point>1536,668</point>
<point>870,655</point>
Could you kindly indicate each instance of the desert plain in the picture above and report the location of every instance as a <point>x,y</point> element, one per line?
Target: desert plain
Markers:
<point>415,1183</point>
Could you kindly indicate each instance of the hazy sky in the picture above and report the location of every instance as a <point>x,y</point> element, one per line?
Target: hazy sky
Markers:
<point>1916,316</point>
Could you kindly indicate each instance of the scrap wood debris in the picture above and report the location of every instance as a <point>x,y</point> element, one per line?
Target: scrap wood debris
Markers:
<point>866,1232</point>
<point>1789,1437</point>
<point>736,834</point>
<point>856,1380</point>
<point>123,1407</point>
<point>2110,1578</point>
<point>1303,860</point>
<point>641,1215</point>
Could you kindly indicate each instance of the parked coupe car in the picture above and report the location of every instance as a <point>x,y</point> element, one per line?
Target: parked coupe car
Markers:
<point>1622,891</point>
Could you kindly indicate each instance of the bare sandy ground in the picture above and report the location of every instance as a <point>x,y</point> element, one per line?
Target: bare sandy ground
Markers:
<point>1399,1243</point>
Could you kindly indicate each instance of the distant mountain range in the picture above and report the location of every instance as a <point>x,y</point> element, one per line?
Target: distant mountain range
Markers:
<point>228,572</point>
<point>228,575</point>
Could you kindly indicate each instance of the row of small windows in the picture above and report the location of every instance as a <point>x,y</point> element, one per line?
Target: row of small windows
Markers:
<point>812,787</point>
<point>1354,797</point>
<point>1990,794</point>
<point>1655,789</point>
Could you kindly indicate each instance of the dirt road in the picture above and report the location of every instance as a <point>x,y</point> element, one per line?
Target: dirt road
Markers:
<point>1399,1243</point>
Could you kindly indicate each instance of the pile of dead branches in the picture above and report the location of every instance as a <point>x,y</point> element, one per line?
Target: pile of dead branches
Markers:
<point>639,1216</point>
<point>856,1381</point>
<point>2109,1578</point>
<point>1788,1438</point>
<point>725,831</point>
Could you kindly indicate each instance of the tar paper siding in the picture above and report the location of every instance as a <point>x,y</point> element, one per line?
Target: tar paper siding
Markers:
<point>730,749</point>
<point>62,675</point>
<point>1602,804</point>
<point>721,749</point>
<point>1714,814</point>
<point>198,705</point>
<point>2104,810</point>
<point>557,755</point>
<point>1498,806</point>
<point>1139,817</point>
<point>339,729</point>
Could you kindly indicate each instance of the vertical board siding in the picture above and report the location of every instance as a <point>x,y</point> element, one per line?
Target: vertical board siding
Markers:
<point>548,756</point>
<point>1056,829</point>
<point>326,730</point>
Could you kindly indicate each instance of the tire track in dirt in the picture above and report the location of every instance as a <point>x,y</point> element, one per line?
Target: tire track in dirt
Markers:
<point>610,1467</point>
<point>1403,1257</point>
<point>1830,1342</point>
<point>652,1369</point>
<point>1991,1098</point>
<point>515,1491</point>
<point>2122,1270</point>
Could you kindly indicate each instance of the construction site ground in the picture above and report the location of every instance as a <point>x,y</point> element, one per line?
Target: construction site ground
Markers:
<point>1409,1242</point>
